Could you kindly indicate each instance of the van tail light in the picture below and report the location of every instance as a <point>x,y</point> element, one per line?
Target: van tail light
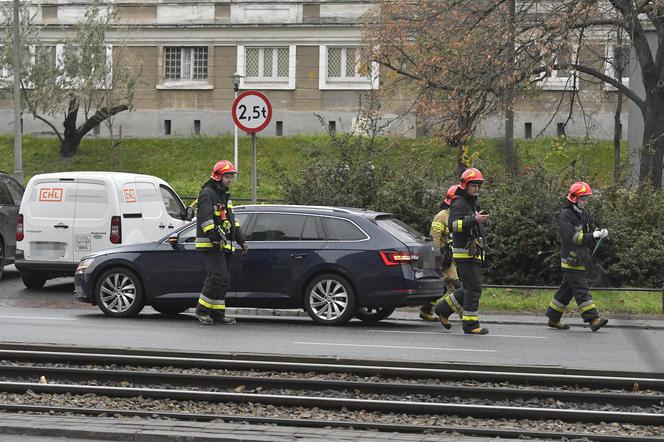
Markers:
<point>116,230</point>
<point>396,258</point>
<point>19,228</point>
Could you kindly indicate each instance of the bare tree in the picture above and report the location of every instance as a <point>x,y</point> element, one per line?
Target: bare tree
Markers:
<point>82,74</point>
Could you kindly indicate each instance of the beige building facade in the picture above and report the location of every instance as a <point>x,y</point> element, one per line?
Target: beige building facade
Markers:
<point>303,54</point>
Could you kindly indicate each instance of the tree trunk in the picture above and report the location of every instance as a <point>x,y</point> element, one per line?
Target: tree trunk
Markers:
<point>71,140</point>
<point>652,150</point>
<point>617,138</point>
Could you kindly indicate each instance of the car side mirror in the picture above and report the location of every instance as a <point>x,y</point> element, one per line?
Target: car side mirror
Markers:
<point>173,240</point>
<point>189,214</point>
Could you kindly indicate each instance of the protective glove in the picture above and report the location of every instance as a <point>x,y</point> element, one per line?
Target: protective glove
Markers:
<point>600,233</point>
<point>245,248</point>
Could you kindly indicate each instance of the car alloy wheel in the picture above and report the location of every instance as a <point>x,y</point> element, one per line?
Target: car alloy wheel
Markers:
<point>119,293</point>
<point>329,300</point>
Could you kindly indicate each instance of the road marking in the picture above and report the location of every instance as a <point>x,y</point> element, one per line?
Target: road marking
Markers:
<point>443,333</point>
<point>409,347</point>
<point>39,317</point>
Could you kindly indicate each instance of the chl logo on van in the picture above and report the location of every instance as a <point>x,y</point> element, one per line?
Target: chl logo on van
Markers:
<point>129,195</point>
<point>50,194</point>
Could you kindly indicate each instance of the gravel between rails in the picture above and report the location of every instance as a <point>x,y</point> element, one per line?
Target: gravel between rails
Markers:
<point>260,410</point>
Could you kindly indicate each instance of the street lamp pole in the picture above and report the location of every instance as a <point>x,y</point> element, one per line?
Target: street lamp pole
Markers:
<point>18,154</point>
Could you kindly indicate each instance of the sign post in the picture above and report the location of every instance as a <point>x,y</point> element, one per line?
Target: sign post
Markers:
<point>252,113</point>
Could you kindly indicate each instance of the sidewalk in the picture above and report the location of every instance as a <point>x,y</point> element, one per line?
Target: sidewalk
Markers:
<point>655,322</point>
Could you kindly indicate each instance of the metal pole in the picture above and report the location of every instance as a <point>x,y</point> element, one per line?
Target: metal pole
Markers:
<point>235,142</point>
<point>253,167</point>
<point>662,298</point>
<point>18,154</point>
<point>236,88</point>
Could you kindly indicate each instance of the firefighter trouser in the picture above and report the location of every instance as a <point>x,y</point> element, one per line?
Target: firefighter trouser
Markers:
<point>212,299</point>
<point>467,298</point>
<point>574,285</point>
<point>451,284</point>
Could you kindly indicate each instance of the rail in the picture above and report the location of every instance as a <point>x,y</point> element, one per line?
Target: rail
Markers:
<point>606,289</point>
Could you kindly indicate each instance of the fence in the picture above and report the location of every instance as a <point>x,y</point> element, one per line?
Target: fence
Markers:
<point>607,289</point>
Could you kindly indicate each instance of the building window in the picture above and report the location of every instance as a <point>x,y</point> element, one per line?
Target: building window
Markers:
<point>346,67</point>
<point>186,63</point>
<point>266,67</point>
<point>167,127</point>
<point>561,79</point>
<point>528,130</point>
<point>102,79</point>
<point>185,68</point>
<point>616,64</point>
<point>560,129</point>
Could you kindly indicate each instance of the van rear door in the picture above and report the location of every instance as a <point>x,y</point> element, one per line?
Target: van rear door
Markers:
<point>152,206</point>
<point>93,218</point>
<point>49,221</point>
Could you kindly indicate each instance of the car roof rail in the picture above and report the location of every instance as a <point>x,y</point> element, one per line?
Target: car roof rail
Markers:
<point>299,206</point>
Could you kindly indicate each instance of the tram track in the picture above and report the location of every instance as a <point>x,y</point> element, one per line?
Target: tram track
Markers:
<point>419,390</point>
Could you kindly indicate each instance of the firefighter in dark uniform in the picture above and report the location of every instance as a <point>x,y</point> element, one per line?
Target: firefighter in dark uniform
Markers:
<point>440,233</point>
<point>216,229</point>
<point>467,226</point>
<point>578,237</point>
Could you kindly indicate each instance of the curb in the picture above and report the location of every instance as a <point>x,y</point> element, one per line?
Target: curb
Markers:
<point>637,322</point>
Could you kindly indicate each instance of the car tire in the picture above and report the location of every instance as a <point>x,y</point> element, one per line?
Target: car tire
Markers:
<point>329,299</point>
<point>170,310</point>
<point>119,293</point>
<point>373,314</point>
<point>2,259</point>
<point>33,280</point>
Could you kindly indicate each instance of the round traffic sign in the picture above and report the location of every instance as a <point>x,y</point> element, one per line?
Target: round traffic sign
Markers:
<point>252,111</point>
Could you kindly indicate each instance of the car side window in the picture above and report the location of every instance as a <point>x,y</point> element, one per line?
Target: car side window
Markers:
<point>173,205</point>
<point>188,235</point>
<point>338,229</point>
<point>277,227</point>
<point>310,231</point>
<point>5,197</point>
<point>15,190</point>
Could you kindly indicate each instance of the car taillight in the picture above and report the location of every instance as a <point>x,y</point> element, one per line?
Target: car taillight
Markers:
<point>396,258</point>
<point>19,228</point>
<point>116,230</point>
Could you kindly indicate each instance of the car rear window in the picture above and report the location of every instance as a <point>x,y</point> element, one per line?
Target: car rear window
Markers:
<point>338,229</point>
<point>399,229</point>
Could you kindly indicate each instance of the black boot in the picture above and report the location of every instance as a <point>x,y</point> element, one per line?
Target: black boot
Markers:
<point>204,317</point>
<point>222,319</point>
<point>597,323</point>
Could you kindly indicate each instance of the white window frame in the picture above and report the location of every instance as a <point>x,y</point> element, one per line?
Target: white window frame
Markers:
<point>274,83</point>
<point>186,83</point>
<point>108,82</point>
<point>555,83</point>
<point>344,83</point>
<point>609,71</point>
<point>6,77</point>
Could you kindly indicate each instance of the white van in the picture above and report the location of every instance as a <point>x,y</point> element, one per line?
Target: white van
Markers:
<point>65,216</point>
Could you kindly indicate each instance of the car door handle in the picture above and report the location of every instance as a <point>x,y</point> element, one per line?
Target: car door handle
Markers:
<point>161,226</point>
<point>298,255</point>
<point>61,226</point>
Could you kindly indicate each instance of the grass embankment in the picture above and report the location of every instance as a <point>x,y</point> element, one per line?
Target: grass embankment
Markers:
<point>185,163</point>
<point>625,302</point>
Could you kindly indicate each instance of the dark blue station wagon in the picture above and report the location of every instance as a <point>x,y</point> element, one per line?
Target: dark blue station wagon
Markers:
<point>335,263</point>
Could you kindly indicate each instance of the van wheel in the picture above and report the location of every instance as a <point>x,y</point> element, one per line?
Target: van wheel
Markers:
<point>33,280</point>
<point>373,314</point>
<point>170,310</point>
<point>119,293</point>
<point>329,300</point>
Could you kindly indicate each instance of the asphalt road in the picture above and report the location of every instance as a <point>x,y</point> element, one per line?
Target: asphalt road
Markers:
<point>50,315</point>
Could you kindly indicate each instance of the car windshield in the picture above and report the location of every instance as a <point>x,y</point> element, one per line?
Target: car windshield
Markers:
<point>399,229</point>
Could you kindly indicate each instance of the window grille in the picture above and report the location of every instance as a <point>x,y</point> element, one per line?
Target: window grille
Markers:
<point>186,63</point>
